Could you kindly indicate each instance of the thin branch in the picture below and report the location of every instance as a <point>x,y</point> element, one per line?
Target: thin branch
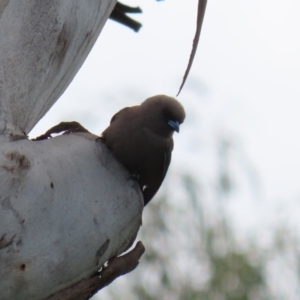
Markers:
<point>119,14</point>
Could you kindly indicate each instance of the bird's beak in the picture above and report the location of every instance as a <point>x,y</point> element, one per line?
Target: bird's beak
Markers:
<point>174,125</point>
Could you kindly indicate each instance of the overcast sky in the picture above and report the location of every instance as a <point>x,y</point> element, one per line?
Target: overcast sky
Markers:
<point>243,87</point>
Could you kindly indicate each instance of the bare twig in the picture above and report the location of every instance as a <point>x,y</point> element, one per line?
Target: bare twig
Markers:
<point>66,127</point>
<point>119,14</point>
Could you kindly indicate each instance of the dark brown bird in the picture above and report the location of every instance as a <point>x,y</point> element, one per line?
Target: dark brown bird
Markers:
<point>141,138</point>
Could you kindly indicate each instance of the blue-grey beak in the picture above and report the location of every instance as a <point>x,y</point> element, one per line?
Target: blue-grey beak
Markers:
<point>174,125</point>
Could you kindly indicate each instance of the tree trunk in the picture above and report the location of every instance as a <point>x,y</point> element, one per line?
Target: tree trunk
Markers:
<point>66,205</point>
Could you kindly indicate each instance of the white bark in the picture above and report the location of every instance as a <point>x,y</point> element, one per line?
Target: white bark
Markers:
<point>66,205</point>
<point>43,44</point>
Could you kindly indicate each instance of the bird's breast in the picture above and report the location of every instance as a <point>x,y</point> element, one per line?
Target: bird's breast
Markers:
<point>140,151</point>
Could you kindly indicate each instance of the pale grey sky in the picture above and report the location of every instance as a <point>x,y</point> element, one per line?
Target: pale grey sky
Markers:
<point>244,85</point>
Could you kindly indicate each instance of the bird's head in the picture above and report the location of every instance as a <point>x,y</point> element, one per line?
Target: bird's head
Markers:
<point>164,114</point>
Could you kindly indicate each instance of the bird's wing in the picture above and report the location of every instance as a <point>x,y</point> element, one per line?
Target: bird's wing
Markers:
<point>152,189</point>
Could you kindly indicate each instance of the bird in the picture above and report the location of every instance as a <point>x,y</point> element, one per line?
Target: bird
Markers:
<point>141,138</point>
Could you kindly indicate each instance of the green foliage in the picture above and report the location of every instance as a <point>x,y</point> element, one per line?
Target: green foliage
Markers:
<point>234,275</point>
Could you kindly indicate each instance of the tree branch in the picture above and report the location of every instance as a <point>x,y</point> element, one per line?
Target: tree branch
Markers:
<point>116,267</point>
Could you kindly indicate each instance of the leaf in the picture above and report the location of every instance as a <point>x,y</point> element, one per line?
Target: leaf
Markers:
<point>200,17</point>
